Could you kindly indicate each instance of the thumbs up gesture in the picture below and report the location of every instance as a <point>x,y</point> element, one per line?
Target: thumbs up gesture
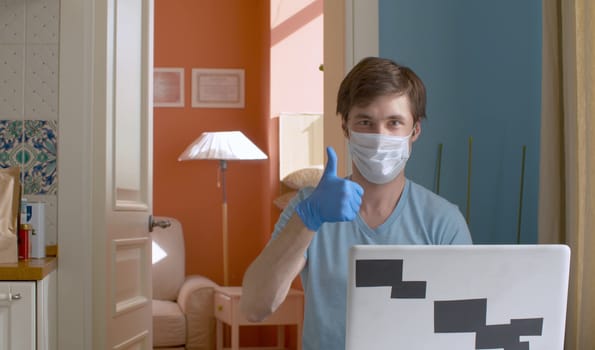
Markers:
<point>334,199</point>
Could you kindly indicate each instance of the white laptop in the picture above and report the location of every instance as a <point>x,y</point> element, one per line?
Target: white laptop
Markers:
<point>464,297</point>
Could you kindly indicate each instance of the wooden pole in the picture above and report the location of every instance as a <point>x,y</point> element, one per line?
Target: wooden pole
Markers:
<point>225,252</point>
<point>438,168</point>
<point>469,179</point>
<point>522,183</point>
<point>223,168</point>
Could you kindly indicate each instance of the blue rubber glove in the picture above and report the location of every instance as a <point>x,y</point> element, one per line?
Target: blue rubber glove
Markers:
<point>334,199</point>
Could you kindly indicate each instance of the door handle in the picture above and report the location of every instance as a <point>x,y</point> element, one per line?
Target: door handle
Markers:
<point>9,296</point>
<point>157,223</point>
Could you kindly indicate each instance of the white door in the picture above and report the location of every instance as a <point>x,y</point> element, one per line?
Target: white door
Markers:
<point>122,197</point>
<point>105,199</point>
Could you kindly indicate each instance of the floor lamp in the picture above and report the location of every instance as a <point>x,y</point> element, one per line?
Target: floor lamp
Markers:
<point>223,146</point>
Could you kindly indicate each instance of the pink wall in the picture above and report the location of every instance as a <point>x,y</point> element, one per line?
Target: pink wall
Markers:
<point>296,54</point>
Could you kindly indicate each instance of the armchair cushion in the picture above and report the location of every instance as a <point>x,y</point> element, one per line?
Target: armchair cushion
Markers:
<point>168,271</point>
<point>169,324</point>
<point>183,310</point>
<point>196,300</point>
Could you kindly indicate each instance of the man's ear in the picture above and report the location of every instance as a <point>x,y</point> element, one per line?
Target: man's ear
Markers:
<point>416,131</point>
<point>344,127</point>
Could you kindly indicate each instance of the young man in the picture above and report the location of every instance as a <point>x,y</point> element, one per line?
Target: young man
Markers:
<point>381,105</point>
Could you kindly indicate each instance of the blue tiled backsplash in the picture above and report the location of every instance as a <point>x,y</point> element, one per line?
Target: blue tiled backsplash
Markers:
<point>31,145</point>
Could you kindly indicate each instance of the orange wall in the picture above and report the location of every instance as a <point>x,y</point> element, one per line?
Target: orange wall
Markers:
<point>215,34</point>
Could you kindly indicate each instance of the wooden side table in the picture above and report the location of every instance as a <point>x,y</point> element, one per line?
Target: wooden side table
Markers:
<point>227,310</point>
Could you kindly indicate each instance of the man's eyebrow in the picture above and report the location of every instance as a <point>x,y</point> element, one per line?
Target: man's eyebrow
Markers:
<point>363,116</point>
<point>396,116</point>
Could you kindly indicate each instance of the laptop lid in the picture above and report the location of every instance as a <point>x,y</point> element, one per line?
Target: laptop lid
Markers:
<point>461,297</point>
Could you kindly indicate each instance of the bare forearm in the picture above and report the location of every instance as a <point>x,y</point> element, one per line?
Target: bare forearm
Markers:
<point>269,277</point>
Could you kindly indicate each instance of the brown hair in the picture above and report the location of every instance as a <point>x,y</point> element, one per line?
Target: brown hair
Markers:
<point>373,77</point>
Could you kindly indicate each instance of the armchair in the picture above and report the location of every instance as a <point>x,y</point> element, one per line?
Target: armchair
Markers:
<point>183,316</point>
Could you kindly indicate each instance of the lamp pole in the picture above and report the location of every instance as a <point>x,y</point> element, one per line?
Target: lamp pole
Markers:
<point>223,168</point>
<point>221,146</point>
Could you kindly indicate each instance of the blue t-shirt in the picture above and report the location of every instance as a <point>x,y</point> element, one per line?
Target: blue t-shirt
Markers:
<point>420,217</point>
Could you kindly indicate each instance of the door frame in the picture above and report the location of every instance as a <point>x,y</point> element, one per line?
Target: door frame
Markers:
<point>75,144</point>
<point>350,33</point>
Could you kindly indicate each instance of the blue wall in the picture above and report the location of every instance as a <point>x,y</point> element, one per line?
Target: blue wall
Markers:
<point>481,63</point>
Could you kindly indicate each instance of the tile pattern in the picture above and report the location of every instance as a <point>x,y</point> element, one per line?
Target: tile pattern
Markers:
<point>39,150</point>
<point>12,61</point>
<point>29,62</point>
<point>29,39</point>
<point>29,50</point>
<point>41,82</point>
<point>32,145</point>
<point>43,21</point>
<point>12,21</point>
<point>10,138</point>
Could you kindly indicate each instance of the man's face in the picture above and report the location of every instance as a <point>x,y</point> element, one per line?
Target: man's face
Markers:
<point>388,115</point>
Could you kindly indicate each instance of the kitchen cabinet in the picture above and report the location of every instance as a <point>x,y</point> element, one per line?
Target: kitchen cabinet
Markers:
<point>28,305</point>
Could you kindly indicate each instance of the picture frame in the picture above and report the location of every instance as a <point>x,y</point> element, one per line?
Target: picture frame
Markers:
<point>168,87</point>
<point>218,88</point>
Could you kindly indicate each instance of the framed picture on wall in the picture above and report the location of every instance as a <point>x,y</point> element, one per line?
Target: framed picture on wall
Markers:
<point>217,88</point>
<point>168,87</point>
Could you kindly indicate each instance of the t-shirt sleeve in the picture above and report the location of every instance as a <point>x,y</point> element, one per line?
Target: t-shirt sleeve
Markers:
<point>459,231</point>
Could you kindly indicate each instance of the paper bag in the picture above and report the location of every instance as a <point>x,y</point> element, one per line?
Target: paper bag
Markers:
<point>9,213</point>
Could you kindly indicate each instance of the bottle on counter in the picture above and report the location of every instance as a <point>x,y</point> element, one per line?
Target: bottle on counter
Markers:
<point>24,243</point>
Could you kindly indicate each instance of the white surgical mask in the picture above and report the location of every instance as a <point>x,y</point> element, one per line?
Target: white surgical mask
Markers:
<point>379,158</point>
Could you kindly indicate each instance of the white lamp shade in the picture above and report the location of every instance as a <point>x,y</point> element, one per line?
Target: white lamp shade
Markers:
<point>227,145</point>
